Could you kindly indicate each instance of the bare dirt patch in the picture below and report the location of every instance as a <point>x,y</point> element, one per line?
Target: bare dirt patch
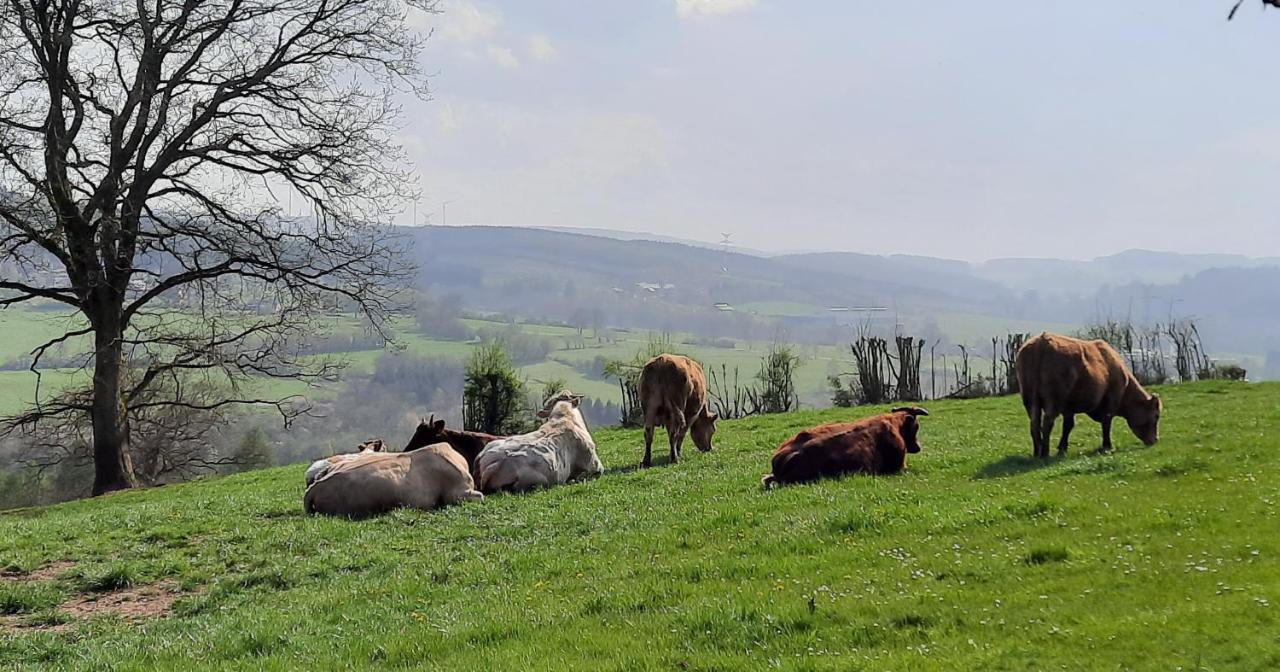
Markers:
<point>17,624</point>
<point>47,573</point>
<point>131,604</point>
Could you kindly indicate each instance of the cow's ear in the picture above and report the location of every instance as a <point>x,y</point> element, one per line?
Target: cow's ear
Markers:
<point>544,414</point>
<point>438,425</point>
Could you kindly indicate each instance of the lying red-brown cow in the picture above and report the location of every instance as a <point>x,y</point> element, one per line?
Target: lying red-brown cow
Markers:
<point>875,445</point>
<point>467,444</point>
<point>1060,375</point>
<point>673,391</point>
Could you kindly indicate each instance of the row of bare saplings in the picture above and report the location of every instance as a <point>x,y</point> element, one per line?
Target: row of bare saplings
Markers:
<point>887,370</point>
<point>1169,352</point>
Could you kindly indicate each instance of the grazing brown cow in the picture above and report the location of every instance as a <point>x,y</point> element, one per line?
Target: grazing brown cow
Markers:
<point>673,391</point>
<point>875,445</point>
<point>1060,375</point>
<point>468,444</point>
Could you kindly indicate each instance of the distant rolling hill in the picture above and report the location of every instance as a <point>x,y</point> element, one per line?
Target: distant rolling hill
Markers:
<point>515,269</point>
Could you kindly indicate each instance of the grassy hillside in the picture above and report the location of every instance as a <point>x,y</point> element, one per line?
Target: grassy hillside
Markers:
<point>977,558</point>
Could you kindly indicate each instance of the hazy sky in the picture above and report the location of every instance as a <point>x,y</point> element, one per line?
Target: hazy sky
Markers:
<point>964,130</point>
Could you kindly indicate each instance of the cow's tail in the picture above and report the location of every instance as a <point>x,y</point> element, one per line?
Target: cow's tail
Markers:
<point>913,410</point>
<point>309,501</point>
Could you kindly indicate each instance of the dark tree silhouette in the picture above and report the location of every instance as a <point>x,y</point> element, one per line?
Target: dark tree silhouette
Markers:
<point>145,151</point>
<point>1236,7</point>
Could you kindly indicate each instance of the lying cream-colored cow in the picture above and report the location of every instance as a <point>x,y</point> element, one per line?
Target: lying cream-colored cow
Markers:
<point>321,467</point>
<point>559,451</point>
<point>425,478</point>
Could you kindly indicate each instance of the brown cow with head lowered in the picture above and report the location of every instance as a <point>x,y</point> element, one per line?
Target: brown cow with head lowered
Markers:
<point>673,391</point>
<point>1060,375</point>
<point>875,445</point>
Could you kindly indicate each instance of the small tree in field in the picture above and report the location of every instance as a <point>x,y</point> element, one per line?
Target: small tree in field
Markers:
<point>145,149</point>
<point>493,394</point>
<point>254,451</point>
<point>777,380</point>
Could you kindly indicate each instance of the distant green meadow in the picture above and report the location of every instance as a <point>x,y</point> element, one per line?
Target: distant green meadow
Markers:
<point>977,557</point>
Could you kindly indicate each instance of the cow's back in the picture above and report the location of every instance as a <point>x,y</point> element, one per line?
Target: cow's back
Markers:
<point>424,478</point>
<point>1070,375</point>
<point>827,450</point>
<point>365,485</point>
<point>438,475</point>
<point>670,382</point>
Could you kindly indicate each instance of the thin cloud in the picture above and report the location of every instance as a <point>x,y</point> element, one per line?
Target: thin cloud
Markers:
<point>693,9</point>
<point>541,48</point>
<point>464,23</point>
<point>503,56</point>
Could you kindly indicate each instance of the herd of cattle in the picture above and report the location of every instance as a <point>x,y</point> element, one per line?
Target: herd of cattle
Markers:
<point>1057,376</point>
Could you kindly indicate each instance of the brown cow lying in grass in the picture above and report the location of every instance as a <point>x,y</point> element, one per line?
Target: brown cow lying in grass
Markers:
<point>875,445</point>
<point>425,478</point>
<point>1060,375</point>
<point>468,444</point>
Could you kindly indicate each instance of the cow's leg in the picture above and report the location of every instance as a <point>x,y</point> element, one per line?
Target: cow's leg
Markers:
<point>1046,431</point>
<point>648,445</point>
<point>1106,434</point>
<point>675,432</point>
<point>680,434</point>
<point>1068,423</point>
<point>1033,412</point>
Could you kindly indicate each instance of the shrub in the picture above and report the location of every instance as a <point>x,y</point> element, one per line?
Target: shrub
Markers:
<point>777,379</point>
<point>493,394</point>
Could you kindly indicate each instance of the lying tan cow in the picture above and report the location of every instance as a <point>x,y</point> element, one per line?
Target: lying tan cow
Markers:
<point>321,467</point>
<point>425,478</point>
<point>559,451</point>
<point>1060,375</point>
<point>673,392</point>
<point>875,445</point>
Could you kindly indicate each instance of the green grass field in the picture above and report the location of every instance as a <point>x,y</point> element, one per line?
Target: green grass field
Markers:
<point>977,557</point>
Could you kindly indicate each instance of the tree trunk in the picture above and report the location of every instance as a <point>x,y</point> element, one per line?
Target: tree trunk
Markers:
<point>112,468</point>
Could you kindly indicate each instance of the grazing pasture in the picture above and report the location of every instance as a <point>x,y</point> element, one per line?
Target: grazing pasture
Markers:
<point>977,557</point>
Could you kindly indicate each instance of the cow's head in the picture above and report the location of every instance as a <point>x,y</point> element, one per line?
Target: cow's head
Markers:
<point>563,396</point>
<point>373,446</point>
<point>910,426</point>
<point>1144,419</point>
<point>704,427</point>
<point>429,431</point>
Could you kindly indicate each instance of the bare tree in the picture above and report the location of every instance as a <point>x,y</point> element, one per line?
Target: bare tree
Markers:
<point>142,149</point>
<point>173,428</point>
<point>1236,7</point>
